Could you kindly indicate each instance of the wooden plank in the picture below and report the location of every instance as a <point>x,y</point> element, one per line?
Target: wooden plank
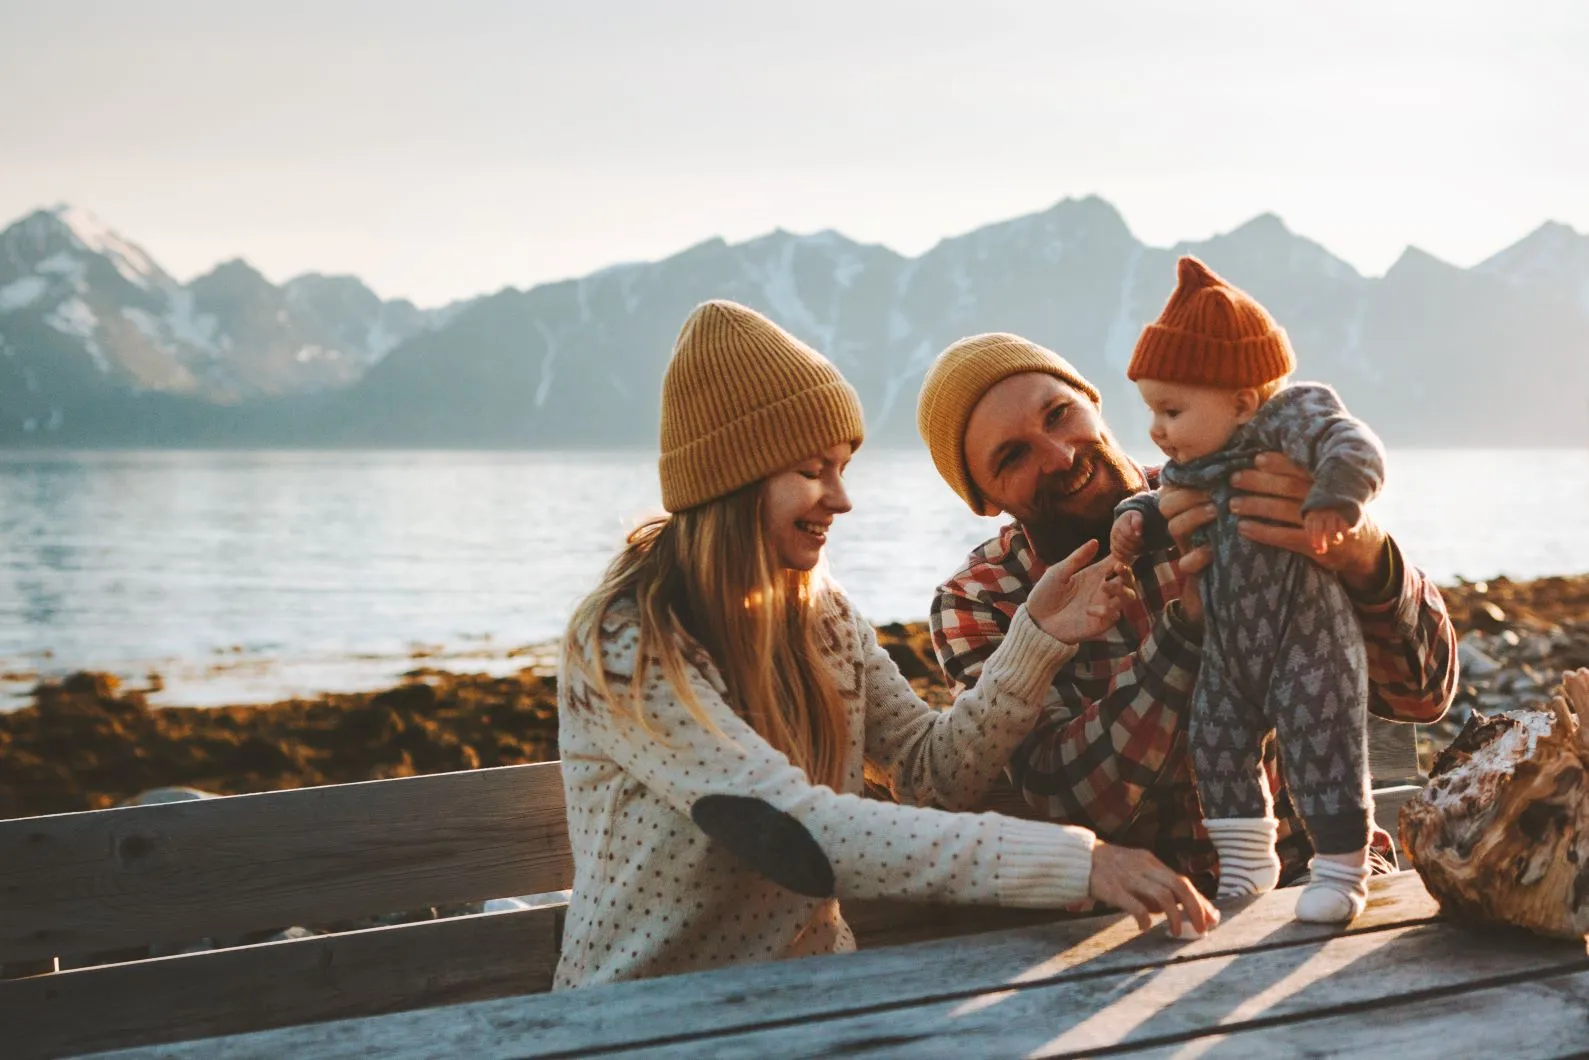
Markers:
<point>1387,808</point>
<point>1393,753</point>
<point>357,973</point>
<point>1537,1018</point>
<point>878,923</point>
<point>174,873</point>
<point>1178,1002</point>
<point>817,988</point>
<point>881,922</point>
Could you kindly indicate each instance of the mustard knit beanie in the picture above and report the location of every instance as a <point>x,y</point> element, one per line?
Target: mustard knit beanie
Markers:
<point>741,399</point>
<point>1211,334</point>
<point>956,382</point>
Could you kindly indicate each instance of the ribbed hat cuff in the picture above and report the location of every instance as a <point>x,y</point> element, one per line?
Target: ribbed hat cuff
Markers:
<point>955,396</point>
<point>753,446</point>
<point>1175,356</point>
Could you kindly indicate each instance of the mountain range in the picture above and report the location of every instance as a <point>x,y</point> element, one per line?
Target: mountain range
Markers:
<point>99,346</point>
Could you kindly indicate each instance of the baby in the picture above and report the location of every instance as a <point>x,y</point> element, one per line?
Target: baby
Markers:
<point>1282,648</point>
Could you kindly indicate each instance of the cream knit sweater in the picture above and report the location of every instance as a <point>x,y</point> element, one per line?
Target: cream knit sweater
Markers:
<point>654,895</point>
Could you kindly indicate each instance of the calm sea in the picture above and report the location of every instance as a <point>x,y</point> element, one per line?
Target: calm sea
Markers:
<point>242,577</point>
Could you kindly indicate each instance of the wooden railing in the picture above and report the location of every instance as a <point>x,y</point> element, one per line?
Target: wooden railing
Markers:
<point>80,884</point>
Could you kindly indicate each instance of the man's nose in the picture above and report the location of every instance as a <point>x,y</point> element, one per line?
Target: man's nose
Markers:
<point>1057,455</point>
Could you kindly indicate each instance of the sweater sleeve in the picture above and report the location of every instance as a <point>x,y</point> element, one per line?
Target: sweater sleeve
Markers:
<point>876,849</point>
<point>951,758</point>
<point>1155,528</point>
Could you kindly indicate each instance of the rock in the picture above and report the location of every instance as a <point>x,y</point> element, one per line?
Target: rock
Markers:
<point>86,743</point>
<point>1535,647</point>
<point>1487,616</point>
<point>911,649</point>
<point>1471,657</point>
<point>159,795</point>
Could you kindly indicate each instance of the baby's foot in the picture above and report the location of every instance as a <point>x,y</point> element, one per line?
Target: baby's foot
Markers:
<point>1247,860</point>
<point>1336,894</point>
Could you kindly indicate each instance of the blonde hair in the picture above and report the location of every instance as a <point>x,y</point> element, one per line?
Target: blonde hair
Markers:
<point>708,575</point>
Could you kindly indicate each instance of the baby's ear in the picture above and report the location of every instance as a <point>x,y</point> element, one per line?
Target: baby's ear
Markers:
<point>1247,402</point>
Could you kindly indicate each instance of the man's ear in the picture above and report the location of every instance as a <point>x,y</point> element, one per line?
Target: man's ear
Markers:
<point>1247,402</point>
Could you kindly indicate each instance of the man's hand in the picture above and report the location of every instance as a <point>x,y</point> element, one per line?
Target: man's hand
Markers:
<point>1139,884</point>
<point>1270,512</point>
<point>1073,602</point>
<point>1187,511</point>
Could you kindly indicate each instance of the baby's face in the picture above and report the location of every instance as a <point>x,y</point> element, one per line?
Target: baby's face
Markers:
<point>1191,421</point>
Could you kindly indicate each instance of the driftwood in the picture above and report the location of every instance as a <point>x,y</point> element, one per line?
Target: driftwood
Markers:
<point>1501,834</point>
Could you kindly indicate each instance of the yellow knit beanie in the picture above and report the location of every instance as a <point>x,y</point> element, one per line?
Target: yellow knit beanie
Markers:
<point>956,382</point>
<point>741,399</point>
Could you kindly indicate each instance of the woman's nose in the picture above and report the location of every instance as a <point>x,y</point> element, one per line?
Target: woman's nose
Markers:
<point>838,499</point>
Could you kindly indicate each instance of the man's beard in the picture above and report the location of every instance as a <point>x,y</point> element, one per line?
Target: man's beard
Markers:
<point>1058,523</point>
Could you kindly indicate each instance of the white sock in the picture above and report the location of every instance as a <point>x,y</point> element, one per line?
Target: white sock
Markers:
<point>1338,890</point>
<point>1247,860</point>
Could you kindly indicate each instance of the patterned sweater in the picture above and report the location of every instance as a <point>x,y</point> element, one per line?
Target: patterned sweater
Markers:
<point>654,895</point>
<point>1110,752</point>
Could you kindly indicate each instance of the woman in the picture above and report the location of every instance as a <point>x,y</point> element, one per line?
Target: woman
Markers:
<point>720,697</point>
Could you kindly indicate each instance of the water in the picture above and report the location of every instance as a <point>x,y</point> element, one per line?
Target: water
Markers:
<point>242,577</point>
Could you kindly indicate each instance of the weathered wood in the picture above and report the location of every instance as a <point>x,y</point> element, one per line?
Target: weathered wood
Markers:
<point>1387,809</point>
<point>814,989</point>
<point>1537,1018</point>
<point>275,984</point>
<point>879,923</point>
<point>1183,1001</point>
<point>1502,832</point>
<point>1393,753</point>
<point>83,882</point>
<point>170,874</point>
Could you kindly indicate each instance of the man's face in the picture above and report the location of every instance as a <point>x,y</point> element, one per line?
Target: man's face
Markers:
<point>1038,449</point>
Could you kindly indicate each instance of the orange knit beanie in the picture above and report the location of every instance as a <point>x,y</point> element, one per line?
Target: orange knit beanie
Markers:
<point>1211,334</point>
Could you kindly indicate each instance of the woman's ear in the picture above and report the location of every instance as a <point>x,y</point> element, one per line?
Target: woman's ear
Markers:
<point>1247,402</point>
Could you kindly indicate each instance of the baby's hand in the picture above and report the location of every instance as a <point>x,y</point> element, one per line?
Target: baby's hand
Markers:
<point>1125,540</point>
<point>1325,527</point>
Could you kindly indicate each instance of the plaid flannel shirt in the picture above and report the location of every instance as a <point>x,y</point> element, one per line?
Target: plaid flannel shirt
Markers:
<point>1110,752</point>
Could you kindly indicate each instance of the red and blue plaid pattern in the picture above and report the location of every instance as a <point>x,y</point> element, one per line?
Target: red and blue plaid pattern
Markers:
<point>1110,753</point>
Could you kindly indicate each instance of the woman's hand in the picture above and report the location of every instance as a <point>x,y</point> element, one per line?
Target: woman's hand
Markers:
<point>1073,602</point>
<point>1269,511</point>
<point>1139,884</point>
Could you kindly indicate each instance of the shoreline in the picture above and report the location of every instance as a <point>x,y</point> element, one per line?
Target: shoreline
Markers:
<point>90,740</point>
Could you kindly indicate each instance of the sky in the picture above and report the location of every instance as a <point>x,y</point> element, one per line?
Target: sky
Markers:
<point>441,150</point>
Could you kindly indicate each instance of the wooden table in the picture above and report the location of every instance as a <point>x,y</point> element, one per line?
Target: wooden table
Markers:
<point>1399,983</point>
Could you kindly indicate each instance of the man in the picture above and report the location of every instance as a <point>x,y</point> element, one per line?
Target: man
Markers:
<point>1013,428</point>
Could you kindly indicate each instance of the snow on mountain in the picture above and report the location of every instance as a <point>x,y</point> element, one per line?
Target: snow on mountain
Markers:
<point>84,310</point>
<point>1553,255</point>
<point>96,338</point>
<point>580,362</point>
